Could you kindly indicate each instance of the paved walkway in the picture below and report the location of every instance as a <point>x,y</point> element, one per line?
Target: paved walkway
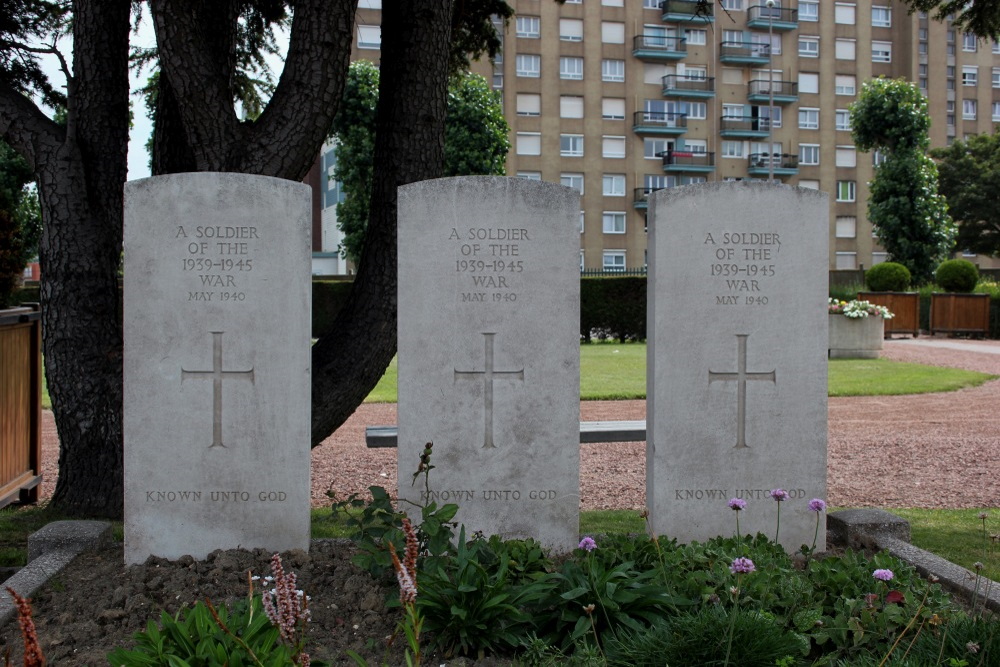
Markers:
<point>984,347</point>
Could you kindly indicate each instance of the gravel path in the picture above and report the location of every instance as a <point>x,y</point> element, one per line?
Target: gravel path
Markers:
<point>930,450</point>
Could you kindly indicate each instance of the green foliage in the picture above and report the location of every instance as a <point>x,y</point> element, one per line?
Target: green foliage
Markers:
<point>890,115</point>
<point>615,307</point>
<point>908,215</point>
<point>473,31</point>
<point>23,24</point>
<point>969,178</point>
<point>193,637</point>
<point>957,275</point>
<point>476,142</point>
<point>20,220</point>
<point>887,277</point>
<point>475,133</point>
<point>980,17</point>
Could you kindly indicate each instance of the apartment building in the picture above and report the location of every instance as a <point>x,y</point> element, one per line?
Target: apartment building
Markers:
<point>619,98</point>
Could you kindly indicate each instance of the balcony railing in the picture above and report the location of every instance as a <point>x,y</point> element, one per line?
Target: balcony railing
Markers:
<point>760,90</point>
<point>681,160</point>
<point>748,126</point>
<point>744,52</point>
<point>659,122</point>
<point>782,164</point>
<point>774,18</point>
<point>687,10</point>
<point>677,85</point>
<point>659,47</point>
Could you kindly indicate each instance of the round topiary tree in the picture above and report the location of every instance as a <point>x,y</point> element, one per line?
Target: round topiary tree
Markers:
<point>887,277</point>
<point>957,275</point>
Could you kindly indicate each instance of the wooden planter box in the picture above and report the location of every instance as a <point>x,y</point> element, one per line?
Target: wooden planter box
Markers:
<point>20,404</point>
<point>905,307</point>
<point>956,313</point>
<point>855,338</point>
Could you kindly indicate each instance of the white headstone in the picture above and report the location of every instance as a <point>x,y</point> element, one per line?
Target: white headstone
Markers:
<point>737,347</point>
<point>489,357</point>
<point>217,364</point>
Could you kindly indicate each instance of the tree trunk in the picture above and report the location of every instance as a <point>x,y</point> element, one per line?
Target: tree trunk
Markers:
<point>409,146</point>
<point>81,189</point>
<point>171,152</point>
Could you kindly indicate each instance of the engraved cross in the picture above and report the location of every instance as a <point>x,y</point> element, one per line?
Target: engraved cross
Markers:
<point>489,374</point>
<point>217,375</point>
<point>741,377</point>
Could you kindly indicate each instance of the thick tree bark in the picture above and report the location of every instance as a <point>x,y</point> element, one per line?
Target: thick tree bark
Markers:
<point>171,153</point>
<point>409,146</point>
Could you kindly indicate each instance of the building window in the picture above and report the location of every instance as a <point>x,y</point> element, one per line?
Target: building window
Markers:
<point>570,106</point>
<point>995,116</point>
<point>652,73</point>
<point>529,143</point>
<point>614,260</point>
<point>651,4</point>
<point>614,185</point>
<point>529,104</point>
<point>808,119</point>
<point>881,52</point>
<point>733,5</point>
<point>843,13</point>
<point>652,149</point>
<point>613,108</point>
<point>969,42</point>
<point>843,120</point>
<point>696,145</point>
<point>696,37</point>
<point>809,185</point>
<point>612,32</point>
<point>613,3</point>
<point>528,65</point>
<point>847,156</point>
<point>808,154</point>
<point>808,47</point>
<point>570,68</point>
<point>613,147</point>
<point>574,181</point>
<point>530,175</point>
<point>970,76</point>
<point>996,77</point>
<point>571,145</point>
<point>968,109</point>
<point>369,37</point>
<point>808,82</point>
<point>611,70</point>
<point>881,17</point>
<point>846,191</point>
<point>844,49</point>
<point>696,110</point>
<point>762,41</point>
<point>846,261</point>
<point>878,157</point>
<point>571,30</point>
<point>527,27</point>
<point>583,226</point>
<point>732,149</point>
<point>614,222</point>
<point>808,10</point>
<point>844,84</point>
<point>846,227</point>
<point>879,257</point>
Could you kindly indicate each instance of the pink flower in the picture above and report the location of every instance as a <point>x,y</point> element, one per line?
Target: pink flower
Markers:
<point>817,505</point>
<point>779,494</point>
<point>588,544</point>
<point>737,504</point>
<point>742,566</point>
<point>883,575</point>
<point>286,606</point>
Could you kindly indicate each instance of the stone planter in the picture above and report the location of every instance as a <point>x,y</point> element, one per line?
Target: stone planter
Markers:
<point>855,338</point>
<point>960,313</point>
<point>905,306</point>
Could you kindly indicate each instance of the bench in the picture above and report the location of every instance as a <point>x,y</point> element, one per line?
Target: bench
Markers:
<point>606,431</point>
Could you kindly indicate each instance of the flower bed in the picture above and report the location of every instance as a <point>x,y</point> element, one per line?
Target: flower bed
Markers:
<point>856,328</point>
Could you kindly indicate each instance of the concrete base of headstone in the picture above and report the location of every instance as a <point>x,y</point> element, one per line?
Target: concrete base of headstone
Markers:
<point>217,364</point>
<point>489,353</point>
<point>737,359</point>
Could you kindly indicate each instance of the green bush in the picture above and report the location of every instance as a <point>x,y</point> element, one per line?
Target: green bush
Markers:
<point>613,307</point>
<point>888,277</point>
<point>328,297</point>
<point>957,275</point>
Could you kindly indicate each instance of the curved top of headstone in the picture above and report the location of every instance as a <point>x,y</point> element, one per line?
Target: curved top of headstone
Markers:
<point>538,192</point>
<point>762,187</point>
<point>207,178</point>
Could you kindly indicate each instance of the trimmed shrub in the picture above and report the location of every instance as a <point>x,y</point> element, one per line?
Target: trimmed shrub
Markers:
<point>888,277</point>
<point>957,275</point>
<point>328,297</point>
<point>613,305</point>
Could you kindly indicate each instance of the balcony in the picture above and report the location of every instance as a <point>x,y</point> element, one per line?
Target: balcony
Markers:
<point>675,85</point>
<point>785,92</point>
<point>784,164</point>
<point>675,11</point>
<point>658,48</point>
<point>744,53</point>
<point>744,127</point>
<point>688,161</point>
<point>778,19</point>
<point>668,123</point>
<point>640,197</point>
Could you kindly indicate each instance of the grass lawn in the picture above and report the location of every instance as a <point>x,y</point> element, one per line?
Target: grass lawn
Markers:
<point>614,371</point>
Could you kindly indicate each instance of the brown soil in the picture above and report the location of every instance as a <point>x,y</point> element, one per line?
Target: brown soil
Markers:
<point>935,450</point>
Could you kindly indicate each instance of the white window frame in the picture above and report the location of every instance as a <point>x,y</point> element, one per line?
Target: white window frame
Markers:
<point>529,104</point>
<point>970,75</point>
<point>570,106</point>
<point>571,30</point>
<point>842,120</point>
<point>881,16</point>
<point>612,32</point>
<point>841,87</point>
<point>370,37</point>
<point>808,118</point>
<point>732,149</point>
<point>654,142</point>
<point>809,184</point>
<point>845,49</point>
<point>732,5</point>
<point>812,43</point>
<point>808,11</point>
<point>696,36</point>
<point>530,175</point>
<point>527,27</point>
<point>613,185</point>
<point>697,110</point>
<point>612,70</point>
<point>995,115</point>
<point>809,154</point>
<point>609,108</point>
<point>613,222</point>
<point>528,140</point>
<point>610,144</point>
<point>845,227</point>
<point>969,109</point>
<point>571,145</point>
<point>847,191</point>
<point>995,77</point>
<point>849,263</point>
<point>881,52</point>
<point>847,156</point>
<point>614,264</point>
<point>572,180</point>
<point>969,42</point>
<point>571,68</point>
<point>845,13</point>
<point>528,65</point>
<point>808,82</point>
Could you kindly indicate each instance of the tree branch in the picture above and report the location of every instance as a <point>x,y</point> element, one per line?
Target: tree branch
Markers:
<point>25,127</point>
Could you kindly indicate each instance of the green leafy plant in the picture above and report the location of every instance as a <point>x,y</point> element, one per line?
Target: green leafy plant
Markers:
<point>887,277</point>
<point>957,275</point>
